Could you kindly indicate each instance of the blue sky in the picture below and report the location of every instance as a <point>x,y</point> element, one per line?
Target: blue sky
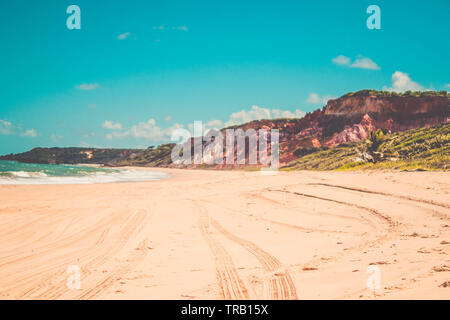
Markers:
<point>137,69</point>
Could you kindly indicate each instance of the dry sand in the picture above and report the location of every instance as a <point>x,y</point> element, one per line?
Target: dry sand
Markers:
<point>230,235</point>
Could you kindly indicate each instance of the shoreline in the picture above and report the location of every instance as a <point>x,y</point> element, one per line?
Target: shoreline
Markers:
<point>39,176</point>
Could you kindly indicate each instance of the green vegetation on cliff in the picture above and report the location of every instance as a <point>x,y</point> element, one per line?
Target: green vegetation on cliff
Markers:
<point>151,157</point>
<point>418,149</point>
<point>377,93</point>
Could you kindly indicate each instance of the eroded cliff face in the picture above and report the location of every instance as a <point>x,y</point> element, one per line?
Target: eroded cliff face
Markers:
<point>351,118</point>
<point>353,133</point>
<point>402,106</point>
<point>391,113</point>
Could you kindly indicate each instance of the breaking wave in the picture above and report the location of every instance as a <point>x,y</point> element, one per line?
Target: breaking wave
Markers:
<point>24,173</point>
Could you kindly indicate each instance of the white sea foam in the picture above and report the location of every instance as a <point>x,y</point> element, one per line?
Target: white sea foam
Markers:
<point>25,174</point>
<point>22,177</point>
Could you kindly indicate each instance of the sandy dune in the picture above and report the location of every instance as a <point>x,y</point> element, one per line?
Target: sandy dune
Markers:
<point>230,235</point>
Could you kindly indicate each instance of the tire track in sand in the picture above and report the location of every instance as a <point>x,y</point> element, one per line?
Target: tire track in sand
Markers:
<point>49,290</point>
<point>432,202</point>
<point>280,284</point>
<point>230,284</point>
<point>138,219</point>
<point>390,222</point>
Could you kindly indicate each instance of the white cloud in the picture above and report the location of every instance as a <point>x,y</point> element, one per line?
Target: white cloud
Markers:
<point>360,62</point>
<point>447,85</point>
<point>32,133</point>
<point>401,82</point>
<point>365,63</point>
<point>314,98</point>
<point>123,36</point>
<point>87,86</point>
<point>341,60</point>
<point>244,116</point>
<point>255,113</point>
<point>213,124</point>
<point>7,128</point>
<point>168,118</point>
<point>181,28</point>
<point>111,125</point>
<point>148,130</point>
<point>258,113</point>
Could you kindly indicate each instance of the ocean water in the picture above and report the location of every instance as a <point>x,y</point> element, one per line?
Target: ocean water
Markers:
<point>12,172</point>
